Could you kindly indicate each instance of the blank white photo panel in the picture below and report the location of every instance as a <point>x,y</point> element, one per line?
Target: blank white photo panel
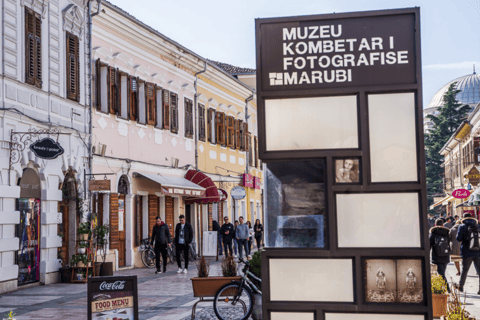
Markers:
<point>311,280</point>
<point>378,220</point>
<point>372,316</point>
<point>393,148</point>
<point>311,123</point>
<point>291,315</point>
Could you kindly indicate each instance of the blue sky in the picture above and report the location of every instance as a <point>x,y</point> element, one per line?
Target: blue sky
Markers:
<point>225,30</point>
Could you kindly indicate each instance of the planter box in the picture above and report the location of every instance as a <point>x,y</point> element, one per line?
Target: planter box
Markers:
<point>439,304</point>
<point>208,287</point>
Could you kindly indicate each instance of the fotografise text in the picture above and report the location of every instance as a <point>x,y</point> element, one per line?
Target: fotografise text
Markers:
<point>305,48</point>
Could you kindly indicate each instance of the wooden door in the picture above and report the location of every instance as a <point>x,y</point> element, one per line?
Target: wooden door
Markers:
<point>169,213</point>
<point>121,231</point>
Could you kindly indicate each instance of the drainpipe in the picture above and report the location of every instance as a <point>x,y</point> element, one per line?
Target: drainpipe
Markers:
<point>196,115</point>
<point>246,120</point>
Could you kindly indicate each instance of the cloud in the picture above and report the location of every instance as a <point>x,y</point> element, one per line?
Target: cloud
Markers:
<point>455,65</point>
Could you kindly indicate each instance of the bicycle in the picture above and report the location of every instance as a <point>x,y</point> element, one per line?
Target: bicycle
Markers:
<point>235,300</point>
<point>148,254</point>
<point>171,253</point>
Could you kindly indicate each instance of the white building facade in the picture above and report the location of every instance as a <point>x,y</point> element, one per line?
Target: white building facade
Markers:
<point>44,94</point>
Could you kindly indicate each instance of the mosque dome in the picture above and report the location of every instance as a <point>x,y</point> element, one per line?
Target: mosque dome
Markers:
<point>470,91</point>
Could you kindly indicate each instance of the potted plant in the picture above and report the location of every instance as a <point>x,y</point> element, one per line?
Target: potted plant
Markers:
<point>79,260</point>
<point>439,296</point>
<point>205,286</point>
<point>82,247</point>
<point>9,316</point>
<point>100,234</point>
<point>456,310</point>
<point>84,230</point>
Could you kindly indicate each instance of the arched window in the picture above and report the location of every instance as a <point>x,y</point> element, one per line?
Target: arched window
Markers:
<point>123,185</point>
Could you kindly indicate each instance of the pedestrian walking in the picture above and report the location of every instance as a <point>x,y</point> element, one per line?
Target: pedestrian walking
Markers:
<point>235,243</point>
<point>455,254</point>
<point>250,237</point>
<point>431,221</point>
<point>440,245</point>
<point>216,227</point>
<point>258,229</point>
<point>161,235</point>
<point>469,235</point>
<point>183,239</point>
<point>450,223</point>
<point>242,235</point>
<point>228,232</point>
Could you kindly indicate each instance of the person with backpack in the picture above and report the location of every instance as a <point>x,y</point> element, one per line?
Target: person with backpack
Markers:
<point>440,244</point>
<point>469,235</point>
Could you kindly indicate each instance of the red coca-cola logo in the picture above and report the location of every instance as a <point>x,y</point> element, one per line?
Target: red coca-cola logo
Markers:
<point>117,285</point>
<point>461,193</point>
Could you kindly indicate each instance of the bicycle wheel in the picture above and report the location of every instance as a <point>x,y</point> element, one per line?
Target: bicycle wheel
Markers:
<point>148,258</point>
<point>171,255</point>
<point>232,302</point>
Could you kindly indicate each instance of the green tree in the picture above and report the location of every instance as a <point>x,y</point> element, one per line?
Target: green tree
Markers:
<point>451,115</point>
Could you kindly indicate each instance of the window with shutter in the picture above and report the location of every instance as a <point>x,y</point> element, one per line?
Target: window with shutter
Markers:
<point>188,118</point>
<point>250,153</point>
<point>201,123</point>
<point>239,134</point>
<point>98,81</point>
<point>220,128</point>
<point>151,100</point>
<point>230,132</point>
<point>166,109</point>
<point>33,48</point>
<point>133,98</point>
<point>73,67</point>
<point>255,147</point>
<point>112,90</point>
<point>174,112</point>
<point>245,137</point>
<point>211,125</point>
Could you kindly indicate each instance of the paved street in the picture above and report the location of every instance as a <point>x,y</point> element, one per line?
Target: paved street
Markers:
<point>167,296</point>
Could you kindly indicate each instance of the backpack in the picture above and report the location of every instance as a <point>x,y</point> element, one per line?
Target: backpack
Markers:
<point>473,238</point>
<point>442,246</point>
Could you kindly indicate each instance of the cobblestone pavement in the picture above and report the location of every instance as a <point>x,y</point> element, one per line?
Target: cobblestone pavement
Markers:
<point>166,296</point>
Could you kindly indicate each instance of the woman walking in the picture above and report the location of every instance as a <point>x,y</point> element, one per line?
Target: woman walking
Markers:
<point>258,229</point>
<point>250,237</point>
<point>455,246</point>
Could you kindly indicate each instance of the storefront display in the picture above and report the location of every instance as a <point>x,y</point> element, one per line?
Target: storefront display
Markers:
<point>28,257</point>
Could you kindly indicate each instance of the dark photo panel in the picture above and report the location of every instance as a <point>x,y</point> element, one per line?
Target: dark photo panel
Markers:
<point>295,204</point>
<point>347,170</point>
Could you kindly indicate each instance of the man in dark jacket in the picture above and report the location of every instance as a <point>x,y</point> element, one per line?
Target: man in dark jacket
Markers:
<point>183,239</point>
<point>228,232</point>
<point>440,245</point>
<point>469,226</point>
<point>161,235</point>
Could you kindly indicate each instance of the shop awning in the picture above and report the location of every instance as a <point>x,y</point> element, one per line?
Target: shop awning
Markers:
<point>442,202</point>
<point>201,179</point>
<point>174,185</point>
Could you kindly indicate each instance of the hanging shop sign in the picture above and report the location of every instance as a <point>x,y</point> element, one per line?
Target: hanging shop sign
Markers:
<point>257,181</point>
<point>238,193</point>
<point>461,193</point>
<point>247,180</point>
<point>112,298</point>
<point>99,185</point>
<point>47,148</point>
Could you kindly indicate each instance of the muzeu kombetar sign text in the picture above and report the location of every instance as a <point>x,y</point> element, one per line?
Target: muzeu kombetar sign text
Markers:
<point>338,53</point>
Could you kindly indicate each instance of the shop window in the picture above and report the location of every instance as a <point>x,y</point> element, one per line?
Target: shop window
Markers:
<point>174,112</point>
<point>73,68</point>
<point>188,104</point>
<point>33,48</point>
<point>201,122</point>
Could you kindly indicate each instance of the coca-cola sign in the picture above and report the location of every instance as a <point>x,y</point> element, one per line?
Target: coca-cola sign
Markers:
<point>117,285</point>
<point>461,193</point>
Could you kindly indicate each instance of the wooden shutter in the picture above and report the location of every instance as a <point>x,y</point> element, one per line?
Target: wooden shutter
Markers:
<point>133,98</point>
<point>150,101</point>
<point>73,67</point>
<point>169,212</point>
<point>33,48</point>
<point>250,151</point>
<point>152,211</point>
<point>210,120</point>
<point>166,109</point>
<point>238,134</point>
<point>220,126</point>
<point>245,136</point>
<point>98,85</point>
<point>255,147</point>
<point>112,90</point>
<point>188,118</point>
<point>174,112</point>
<point>230,132</point>
<point>114,234</point>
<point>201,122</point>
